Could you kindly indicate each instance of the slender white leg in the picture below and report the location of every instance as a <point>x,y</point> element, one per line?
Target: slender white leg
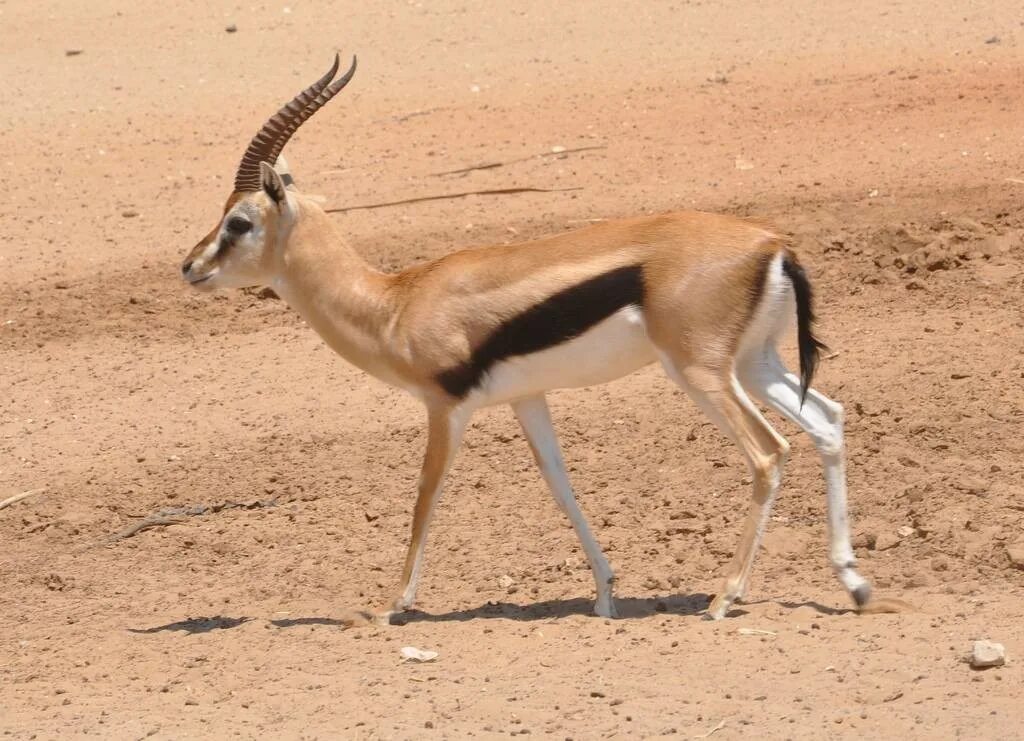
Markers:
<point>535,419</point>
<point>443,438</point>
<point>765,376</point>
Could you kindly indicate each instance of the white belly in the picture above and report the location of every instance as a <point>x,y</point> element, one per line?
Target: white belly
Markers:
<point>609,350</point>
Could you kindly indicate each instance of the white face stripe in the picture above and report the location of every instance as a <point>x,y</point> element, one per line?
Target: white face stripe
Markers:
<point>210,250</point>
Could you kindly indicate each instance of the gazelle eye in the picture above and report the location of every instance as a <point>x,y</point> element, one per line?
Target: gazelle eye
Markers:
<point>237,225</point>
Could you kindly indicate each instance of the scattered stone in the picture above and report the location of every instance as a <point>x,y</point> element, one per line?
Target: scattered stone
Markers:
<point>73,52</point>
<point>985,654</point>
<point>885,541</point>
<point>231,28</point>
<point>914,285</point>
<point>940,563</point>
<point>993,40</point>
<point>129,213</point>
<point>906,531</point>
<point>1016,555</point>
<point>972,485</point>
<point>864,540</point>
<point>505,581</point>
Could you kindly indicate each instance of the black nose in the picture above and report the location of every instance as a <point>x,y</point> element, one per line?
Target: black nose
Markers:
<point>186,266</point>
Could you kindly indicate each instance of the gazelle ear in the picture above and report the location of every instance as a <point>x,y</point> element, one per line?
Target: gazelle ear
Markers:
<point>271,183</point>
<point>281,166</point>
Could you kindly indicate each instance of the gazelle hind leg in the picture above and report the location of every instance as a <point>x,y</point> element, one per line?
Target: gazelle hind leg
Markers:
<point>765,376</point>
<point>535,419</point>
<point>720,396</point>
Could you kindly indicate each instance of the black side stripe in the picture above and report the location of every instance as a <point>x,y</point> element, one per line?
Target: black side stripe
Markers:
<point>557,319</point>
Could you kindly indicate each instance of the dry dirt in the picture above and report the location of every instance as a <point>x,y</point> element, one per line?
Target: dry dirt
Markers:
<point>888,137</point>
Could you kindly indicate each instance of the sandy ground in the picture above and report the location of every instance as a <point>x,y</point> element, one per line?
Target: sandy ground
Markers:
<point>887,137</point>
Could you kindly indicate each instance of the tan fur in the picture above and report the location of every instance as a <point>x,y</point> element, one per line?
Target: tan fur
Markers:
<point>700,270</point>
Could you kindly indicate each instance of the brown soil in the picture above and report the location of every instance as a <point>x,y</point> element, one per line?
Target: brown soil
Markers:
<point>887,137</point>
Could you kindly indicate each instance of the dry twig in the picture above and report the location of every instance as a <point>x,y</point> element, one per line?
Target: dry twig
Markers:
<point>18,497</point>
<point>720,726</point>
<point>420,199</point>
<point>493,165</point>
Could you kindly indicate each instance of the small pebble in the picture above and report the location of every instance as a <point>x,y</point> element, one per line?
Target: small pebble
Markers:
<point>231,28</point>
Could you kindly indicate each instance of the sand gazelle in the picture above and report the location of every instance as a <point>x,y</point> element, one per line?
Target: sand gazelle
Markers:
<point>704,295</point>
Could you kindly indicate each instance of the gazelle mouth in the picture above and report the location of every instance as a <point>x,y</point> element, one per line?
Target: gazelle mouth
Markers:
<point>205,278</point>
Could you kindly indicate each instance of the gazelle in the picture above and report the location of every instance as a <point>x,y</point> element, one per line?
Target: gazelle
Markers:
<point>704,295</point>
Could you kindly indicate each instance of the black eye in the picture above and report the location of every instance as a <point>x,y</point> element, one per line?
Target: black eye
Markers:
<point>237,225</point>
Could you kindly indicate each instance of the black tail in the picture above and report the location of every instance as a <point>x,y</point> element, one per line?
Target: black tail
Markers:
<point>810,346</point>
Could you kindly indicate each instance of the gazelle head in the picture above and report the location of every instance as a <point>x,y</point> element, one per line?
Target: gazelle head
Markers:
<point>240,251</point>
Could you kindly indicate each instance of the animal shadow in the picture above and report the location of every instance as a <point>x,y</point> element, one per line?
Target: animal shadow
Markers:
<point>629,608</point>
<point>194,626</point>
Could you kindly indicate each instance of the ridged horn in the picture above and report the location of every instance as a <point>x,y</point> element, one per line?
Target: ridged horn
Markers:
<point>278,129</point>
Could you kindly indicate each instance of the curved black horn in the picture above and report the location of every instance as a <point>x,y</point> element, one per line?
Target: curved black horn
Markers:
<point>278,129</point>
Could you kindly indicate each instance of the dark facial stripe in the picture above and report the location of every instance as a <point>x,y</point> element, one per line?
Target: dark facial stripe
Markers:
<point>557,319</point>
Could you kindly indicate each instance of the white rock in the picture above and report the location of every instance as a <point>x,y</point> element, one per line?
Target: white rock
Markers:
<point>411,653</point>
<point>987,653</point>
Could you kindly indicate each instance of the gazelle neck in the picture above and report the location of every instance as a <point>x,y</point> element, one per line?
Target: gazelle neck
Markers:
<point>339,295</point>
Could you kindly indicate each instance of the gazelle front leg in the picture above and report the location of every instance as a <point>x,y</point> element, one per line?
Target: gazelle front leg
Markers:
<point>535,419</point>
<point>444,435</point>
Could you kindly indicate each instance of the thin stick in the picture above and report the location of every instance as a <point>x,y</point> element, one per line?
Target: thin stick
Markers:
<point>720,726</point>
<point>138,527</point>
<point>18,497</point>
<point>492,165</point>
<point>421,199</point>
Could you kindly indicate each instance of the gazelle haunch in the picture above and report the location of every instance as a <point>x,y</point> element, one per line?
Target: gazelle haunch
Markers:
<point>706,296</point>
